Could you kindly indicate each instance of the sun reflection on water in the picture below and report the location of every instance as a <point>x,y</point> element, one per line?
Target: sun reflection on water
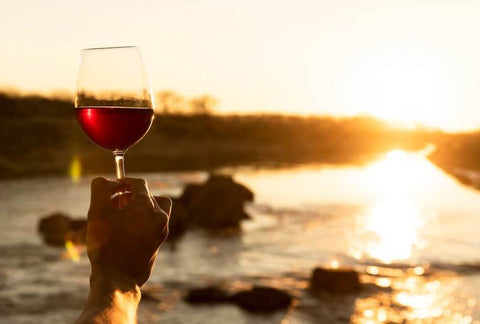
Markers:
<point>394,224</point>
<point>403,211</point>
<point>394,219</point>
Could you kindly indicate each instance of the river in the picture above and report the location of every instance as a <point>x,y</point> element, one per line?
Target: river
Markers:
<point>409,228</point>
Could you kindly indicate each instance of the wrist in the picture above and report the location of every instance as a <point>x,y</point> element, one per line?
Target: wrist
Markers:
<point>106,281</point>
<point>113,298</point>
<point>114,290</point>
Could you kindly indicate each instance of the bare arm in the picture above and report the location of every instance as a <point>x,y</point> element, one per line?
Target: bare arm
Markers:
<point>111,301</point>
<point>122,245</point>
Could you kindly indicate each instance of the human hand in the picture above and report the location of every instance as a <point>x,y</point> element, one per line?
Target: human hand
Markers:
<point>122,244</point>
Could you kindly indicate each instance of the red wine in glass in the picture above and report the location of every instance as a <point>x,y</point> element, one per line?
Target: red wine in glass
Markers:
<point>115,128</point>
<point>113,103</point>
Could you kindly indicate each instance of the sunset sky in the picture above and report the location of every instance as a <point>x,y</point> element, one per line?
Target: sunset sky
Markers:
<point>404,60</point>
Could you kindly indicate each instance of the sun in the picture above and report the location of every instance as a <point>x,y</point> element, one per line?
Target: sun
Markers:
<point>397,89</point>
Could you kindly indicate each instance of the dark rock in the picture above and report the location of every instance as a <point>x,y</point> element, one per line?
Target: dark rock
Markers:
<point>335,280</point>
<point>208,295</point>
<point>190,191</point>
<point>54,228</point>
<point>178,219</point>
<point>58,228</point>
<point>218,204</point>
<point>255,300</point>
<point>262,299</point>
<point>77,224</point>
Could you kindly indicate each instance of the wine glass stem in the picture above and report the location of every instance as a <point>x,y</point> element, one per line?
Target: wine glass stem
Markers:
<point>119,164</point>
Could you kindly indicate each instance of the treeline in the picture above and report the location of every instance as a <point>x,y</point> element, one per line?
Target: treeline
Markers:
<point>41,136</point>
<point>171,102</point>
<point>458,150</point>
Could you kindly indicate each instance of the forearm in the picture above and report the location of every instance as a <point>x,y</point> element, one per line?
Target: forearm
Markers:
<point>112,299</point>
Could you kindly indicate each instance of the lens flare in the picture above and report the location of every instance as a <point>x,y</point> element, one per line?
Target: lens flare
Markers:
<point>72,252</point>
<point>75,169</point>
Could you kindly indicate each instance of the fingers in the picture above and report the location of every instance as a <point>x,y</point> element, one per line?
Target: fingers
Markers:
<point>136,186</point>
<point>158,212</point>
<point>101,192</point>
<point>165,204</point>
<point>139,191</point>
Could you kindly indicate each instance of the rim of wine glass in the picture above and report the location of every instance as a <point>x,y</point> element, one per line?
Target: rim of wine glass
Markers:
<point>109,47</point>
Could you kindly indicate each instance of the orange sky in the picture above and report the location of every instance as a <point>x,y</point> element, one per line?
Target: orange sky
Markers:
<point>404,60</point>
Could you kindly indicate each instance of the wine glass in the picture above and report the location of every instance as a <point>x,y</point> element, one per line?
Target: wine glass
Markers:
<point>113,103</point>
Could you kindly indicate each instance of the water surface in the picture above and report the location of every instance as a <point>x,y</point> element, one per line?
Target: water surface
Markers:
<point>407,226</point>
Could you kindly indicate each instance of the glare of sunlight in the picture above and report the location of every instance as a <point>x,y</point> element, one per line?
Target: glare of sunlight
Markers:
<point>422,298</point>
<point>382,315</point>
<point>72,251</point>
<point>422,305</point>
<point>471,302</point>
<point>383,282</point>
<point>394,224</point>
<point>394,218</point>
<point>398,89</point>
<point>399,173</point>
<point>334,264</point>
<point>356,255</point>
<point>368,313</point>
<point>75,169</point>
<point>418,271</point>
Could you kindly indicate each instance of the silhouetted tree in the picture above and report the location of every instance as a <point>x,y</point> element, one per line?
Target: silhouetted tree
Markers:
<point>170,102</point>
<point>203,104</point>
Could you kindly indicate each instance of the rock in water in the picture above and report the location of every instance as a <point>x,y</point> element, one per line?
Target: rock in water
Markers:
<point>207,295</point>
<point>256,300</point>
<point>262,300</point>
<point>335,280</point>
<point>58,228</point>
<point>218,204</point>
<point>190,191</point>
<point>54,228</point>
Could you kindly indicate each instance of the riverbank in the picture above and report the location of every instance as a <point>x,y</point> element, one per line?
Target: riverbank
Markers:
<point>40,136</point>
